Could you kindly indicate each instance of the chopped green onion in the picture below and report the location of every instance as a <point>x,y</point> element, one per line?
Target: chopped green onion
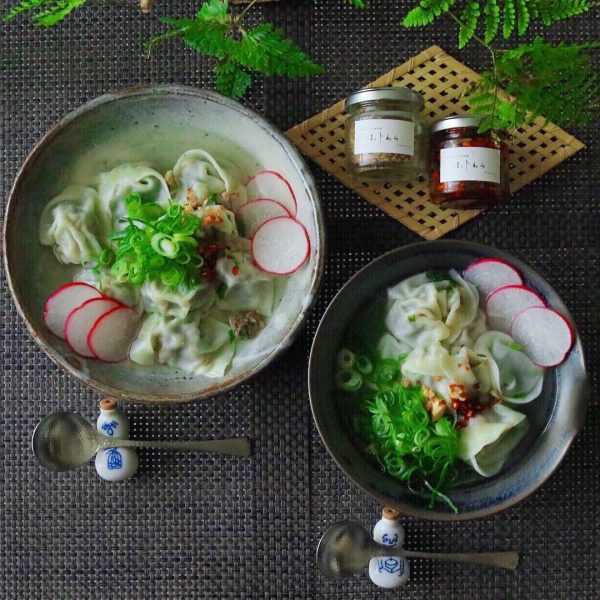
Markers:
<point>385,371</point>
<point>162,244</point>
<point>363,364</point>
<point>345,359</point>
<point>515,346</point>
<point>412,318</point>
<point>348,380</point>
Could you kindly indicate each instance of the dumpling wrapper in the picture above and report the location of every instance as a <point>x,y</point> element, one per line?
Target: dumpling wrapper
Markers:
<point>130,178</point>
<point>515,377</point>
<point>490,437</point>
<point>75,223</point>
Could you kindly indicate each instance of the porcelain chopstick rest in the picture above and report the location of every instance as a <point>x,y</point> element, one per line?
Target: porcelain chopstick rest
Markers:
<point>389,571</point>
<point>115,464</point>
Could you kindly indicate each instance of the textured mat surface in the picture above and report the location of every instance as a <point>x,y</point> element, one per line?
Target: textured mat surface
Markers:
<point>206,527</point>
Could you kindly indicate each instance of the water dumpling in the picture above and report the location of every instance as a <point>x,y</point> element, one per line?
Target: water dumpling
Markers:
<point>516,378</point>
<point>130,178</point>
<point>488,438</point>
<point>75,223</point>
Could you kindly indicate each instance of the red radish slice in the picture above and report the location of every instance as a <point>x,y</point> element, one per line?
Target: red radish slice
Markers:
<point>489,274</point>
<point>505,303</point>
<point>82,319</point>
<point>113,333</point>
<point>280,246</point>
<point>63,301</point>
<point>546,336</point>
<point>270,184</point>
<point>256,212</point>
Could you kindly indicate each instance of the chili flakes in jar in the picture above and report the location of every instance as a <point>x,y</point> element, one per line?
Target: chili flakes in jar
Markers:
<point>468,169</point>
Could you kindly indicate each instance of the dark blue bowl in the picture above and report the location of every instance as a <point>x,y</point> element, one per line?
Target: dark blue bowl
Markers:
<point>555,417</point>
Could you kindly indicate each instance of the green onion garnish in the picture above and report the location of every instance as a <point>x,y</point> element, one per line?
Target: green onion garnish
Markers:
<point>349,380</point>
<point>157,244</point>
<point>345,359</point>
<point>363,364</point>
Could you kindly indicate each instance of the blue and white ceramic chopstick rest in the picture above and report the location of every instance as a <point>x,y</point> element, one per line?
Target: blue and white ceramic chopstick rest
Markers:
<point>389,571</point>
<point>115,464</point>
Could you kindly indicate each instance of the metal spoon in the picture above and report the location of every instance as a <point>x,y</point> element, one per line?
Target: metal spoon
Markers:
<point>347,547</point>
<point>64,440</point>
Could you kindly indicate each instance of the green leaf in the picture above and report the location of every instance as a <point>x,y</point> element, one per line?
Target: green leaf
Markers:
<point>231,80</point>
<point>509,18</point>
<point>53,11</point>
<point>214,10</point>
<point>266,50</point>
<point>523,16</point>
<point>206,37</point>
<point>558,82</point>
<point>469,18</point>
<point>426,12</point>
<point>24,6</point>
<point>491,10</point>
<point>357,3</point>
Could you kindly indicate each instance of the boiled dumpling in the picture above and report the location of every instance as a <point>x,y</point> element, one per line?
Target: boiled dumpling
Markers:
<point>516,378</point>
<point>76,225</point>
<point>199,172</point>
<point>126,179</point>
<point>488,438</point>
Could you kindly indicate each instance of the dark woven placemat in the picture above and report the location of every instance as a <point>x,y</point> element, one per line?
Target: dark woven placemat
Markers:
<point>205,527</point>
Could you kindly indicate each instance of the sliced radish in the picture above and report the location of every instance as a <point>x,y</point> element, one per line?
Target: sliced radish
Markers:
<point>270,184</point>
<point>112,334</point>
<point>280,246</point>
<point>505,303</point>
<point>64,300</point>
<point>546,336</point>
<point>81,320</point>
<point>489,274</point>
<point>256,212</point>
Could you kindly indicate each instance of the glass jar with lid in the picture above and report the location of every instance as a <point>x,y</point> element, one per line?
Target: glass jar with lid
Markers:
<point>385,139</point>
<point>468,169</point>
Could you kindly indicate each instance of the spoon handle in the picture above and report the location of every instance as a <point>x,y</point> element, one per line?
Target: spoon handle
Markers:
<point>505,560</point>
<point>234,446</point>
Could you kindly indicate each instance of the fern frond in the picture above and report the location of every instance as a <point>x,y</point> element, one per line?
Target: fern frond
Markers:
<point>549,11</point>
<point>491,11</point>
<point>231,80</point>
<point>509,18</point>
<point>469,18</point>
<point>523,16</point>
<point>427,12</point>
<point>558,82</point>
<point>53,11</point>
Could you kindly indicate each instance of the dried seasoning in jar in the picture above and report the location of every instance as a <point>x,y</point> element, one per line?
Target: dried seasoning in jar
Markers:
<point>385,139</point>
<point>468,169</point>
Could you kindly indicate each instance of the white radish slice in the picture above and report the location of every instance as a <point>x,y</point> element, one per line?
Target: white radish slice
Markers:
<point>270,184</point>
<point>505,303</point>
<point>113,333</point>
<point>64,300</point>
<point>280,246</point>
<point>253,214</point>
<point>489,274</point>
<point>546,336</point>
<point>82,319</point>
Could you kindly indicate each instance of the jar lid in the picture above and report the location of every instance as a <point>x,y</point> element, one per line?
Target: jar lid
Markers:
<point>456,121</point>
<point>385,93</point>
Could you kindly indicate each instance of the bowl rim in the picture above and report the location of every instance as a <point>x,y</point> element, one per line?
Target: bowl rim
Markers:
<point>574,426</point>
<point>153,90</point>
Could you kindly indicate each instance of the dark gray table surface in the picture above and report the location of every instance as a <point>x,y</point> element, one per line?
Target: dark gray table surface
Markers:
<point>209,527</point>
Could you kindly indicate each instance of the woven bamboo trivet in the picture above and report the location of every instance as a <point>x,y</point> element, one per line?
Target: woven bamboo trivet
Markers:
<point>442,80</point>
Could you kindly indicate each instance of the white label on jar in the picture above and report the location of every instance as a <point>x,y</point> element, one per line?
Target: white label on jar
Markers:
<point>384,136</point>
<point>469,164</point>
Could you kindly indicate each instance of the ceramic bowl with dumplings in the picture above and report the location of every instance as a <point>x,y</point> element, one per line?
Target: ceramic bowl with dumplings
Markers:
<point>555,416</point>
<point>156,125</point>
